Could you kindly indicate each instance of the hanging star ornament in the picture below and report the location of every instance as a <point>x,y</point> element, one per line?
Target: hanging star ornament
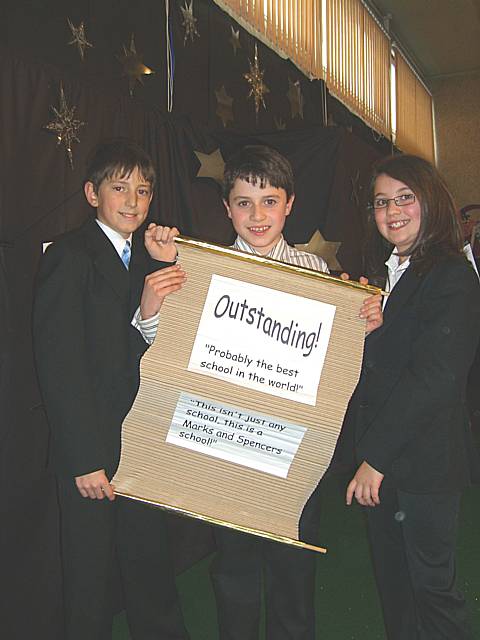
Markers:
<point>258,88</point>
<point>133,66</point>
<point>295,97</point>
<point>65,126</point>
<point>357,189</point>
<point>212,165</point>
<point>235,40</point>
<point>79,38</point>
<point>224,106</point>
<point>324,249</point>
<point>280,124</point>
<point>189,22</point>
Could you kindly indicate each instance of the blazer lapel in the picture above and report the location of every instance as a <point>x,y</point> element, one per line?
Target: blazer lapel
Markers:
<point>139,266</point>
<point>107,261</point>
<point>397,299</point>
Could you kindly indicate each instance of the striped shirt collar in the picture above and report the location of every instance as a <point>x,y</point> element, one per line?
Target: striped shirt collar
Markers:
<point>283,252</point>
<point>279,251</point>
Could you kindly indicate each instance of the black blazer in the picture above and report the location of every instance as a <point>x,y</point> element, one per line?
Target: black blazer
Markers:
<point>407,417</point>
<point>87,353</point>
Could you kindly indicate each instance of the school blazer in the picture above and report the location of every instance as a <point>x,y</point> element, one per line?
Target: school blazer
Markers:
<point>408,417</point>
<point>87,353</point>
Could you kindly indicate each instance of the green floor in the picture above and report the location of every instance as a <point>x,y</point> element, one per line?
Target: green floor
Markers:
<point>347,604</point>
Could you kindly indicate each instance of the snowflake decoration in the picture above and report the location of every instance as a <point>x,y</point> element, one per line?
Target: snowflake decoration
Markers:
<point>258,88</point>
<point>65,125</point>
<point>79,38</point>
<point>189,22</point>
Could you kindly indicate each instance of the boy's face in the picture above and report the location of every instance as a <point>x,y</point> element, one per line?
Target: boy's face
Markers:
<point>258,215</point>
<point>121,202</point>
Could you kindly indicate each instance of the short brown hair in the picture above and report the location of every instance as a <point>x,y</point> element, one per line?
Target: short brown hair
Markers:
<point>439,235</point>
<point>258,163</point>
<point>118,157</point>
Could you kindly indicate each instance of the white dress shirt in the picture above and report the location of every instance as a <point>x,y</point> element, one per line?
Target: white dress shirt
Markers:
<point>396,269</point>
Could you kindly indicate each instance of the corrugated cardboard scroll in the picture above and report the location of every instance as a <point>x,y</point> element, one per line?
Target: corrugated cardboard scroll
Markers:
<point>218,490</point>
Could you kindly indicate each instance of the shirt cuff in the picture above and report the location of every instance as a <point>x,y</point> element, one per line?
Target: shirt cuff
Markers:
<point>148,328</point>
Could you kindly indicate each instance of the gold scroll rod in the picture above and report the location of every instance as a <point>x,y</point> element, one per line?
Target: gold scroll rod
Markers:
<point>276,264</point>
<point>224,523</point>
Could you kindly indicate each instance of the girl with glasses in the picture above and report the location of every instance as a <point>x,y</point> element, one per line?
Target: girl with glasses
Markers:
<point>407,430</point>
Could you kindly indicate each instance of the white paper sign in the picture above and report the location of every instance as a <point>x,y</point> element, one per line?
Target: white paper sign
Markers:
<point>262,339</point>
<point>237,435</point>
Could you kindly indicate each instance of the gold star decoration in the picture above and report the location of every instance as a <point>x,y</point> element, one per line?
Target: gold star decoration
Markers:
<point>224,106</point>
<point>79,38</point>
<point>212,165</point>
<point>235,40</point>
<point>295,97</point>
<point>133,66</point>
<point>258,88</point>
<point>189,22</point>
<point>65,126</point>
<point>324,249</point>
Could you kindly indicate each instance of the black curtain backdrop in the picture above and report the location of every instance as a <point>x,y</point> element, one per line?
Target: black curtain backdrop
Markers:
<point>41,197</point>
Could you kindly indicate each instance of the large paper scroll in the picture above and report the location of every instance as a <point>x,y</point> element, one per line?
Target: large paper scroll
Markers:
<point>243,392</point>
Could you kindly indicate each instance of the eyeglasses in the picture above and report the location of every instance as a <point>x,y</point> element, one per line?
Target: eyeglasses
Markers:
<point>400,201</point>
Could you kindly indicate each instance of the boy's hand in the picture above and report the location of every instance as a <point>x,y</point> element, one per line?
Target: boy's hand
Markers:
<point>365,486</point>
<point>95,485</point>
<point>159,242</point>
<point>158,285</point>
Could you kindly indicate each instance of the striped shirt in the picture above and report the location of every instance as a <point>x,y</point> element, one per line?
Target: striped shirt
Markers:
<point>148,328</point>
<point>285,253</point>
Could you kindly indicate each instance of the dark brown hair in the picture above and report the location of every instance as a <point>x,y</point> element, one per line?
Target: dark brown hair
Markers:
<point>118,158</point>
<point>258,163</point>
<point>439,235</point>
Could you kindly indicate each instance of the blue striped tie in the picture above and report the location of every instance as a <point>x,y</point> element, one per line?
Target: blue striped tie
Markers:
<point>126,253</point>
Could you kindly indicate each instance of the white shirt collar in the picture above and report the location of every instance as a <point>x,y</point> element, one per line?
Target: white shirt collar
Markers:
<point>396,269</point>
<point>115,238</point>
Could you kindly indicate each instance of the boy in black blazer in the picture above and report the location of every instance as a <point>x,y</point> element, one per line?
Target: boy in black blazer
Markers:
<point>99,290</point>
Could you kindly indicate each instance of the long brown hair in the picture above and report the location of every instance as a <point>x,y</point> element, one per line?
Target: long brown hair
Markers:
<point>439,235</point>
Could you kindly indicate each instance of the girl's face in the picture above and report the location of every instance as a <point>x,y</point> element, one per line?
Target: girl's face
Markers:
<point>397,223</point>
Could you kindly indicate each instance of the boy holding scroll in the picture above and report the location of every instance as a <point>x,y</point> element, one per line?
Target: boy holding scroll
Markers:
<point>258,195</point>
<point>99,290</point>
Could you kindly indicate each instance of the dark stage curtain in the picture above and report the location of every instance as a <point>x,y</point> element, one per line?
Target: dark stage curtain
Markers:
<point>41,197</point>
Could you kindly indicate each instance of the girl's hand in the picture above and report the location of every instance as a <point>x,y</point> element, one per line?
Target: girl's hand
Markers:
<point>365,486</point>
<point>371,311</point>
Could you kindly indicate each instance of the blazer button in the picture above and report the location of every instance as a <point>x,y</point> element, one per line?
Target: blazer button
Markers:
<point>446,330</point>
<point>363,405</point>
